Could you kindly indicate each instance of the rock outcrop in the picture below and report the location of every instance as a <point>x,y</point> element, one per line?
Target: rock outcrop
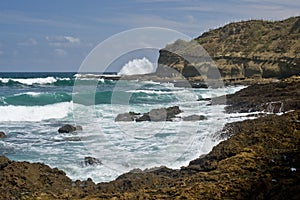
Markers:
<point>252,49</point>
<point>275,97</point>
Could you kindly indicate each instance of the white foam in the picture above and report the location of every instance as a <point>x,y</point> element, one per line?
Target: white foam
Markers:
<point>34,94</point>
<point>31,81</point>
<point>35,113</point>
<point>138,66</point>
<point>4,80</point>
<point>150,91</point>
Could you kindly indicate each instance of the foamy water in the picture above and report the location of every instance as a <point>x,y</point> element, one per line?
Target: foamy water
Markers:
<point>32,114</point>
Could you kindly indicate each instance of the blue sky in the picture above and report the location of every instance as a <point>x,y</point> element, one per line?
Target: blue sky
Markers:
<point>56,35</point>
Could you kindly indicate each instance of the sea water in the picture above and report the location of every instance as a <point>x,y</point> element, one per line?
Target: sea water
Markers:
<point>34,105</point>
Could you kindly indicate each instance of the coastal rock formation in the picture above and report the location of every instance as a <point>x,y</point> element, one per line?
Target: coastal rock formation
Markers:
<point>252,49</point>
<point>23,180</point>
<point>276,97</point>
<point>259,160</point>
<point>69,128</point>
<point>2,134</point>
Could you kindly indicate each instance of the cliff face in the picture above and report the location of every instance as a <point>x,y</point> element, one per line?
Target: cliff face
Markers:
<point>249,49</point>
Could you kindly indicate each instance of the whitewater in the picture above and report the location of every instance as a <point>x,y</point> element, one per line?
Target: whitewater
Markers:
<point>34,105</point>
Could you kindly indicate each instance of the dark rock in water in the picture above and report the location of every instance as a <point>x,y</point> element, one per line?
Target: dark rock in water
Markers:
<point>143,118</point>
<point>194,118</point>
<point>2,134</point>
<point>126,117</point>
<point>172,111</point>
<point>161,114</point>
<point>204,99</point>
<point>90,161</point>
<point>69,128</point>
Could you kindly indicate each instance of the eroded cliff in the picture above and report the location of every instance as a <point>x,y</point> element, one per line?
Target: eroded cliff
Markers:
<point>249,49</point>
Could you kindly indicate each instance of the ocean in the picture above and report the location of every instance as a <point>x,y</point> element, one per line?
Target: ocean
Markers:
<point>33,106</point>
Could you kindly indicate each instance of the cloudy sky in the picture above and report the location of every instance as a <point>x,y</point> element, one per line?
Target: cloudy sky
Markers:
<point>56,35</point>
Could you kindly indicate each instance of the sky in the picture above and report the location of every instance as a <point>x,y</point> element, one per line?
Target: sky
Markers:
<point>57,35</point>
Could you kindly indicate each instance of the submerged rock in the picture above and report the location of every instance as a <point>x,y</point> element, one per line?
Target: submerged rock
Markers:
<point>69,128</point>
<point>91,161</point>
<point>194,118</point>
<point>2,134</point>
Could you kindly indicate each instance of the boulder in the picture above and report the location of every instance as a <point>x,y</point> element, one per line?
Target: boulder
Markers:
<point>2,134</point>
<point>91,161</point>
<point>194,118</point>
<point>69,128</point>
<point>126,117</point>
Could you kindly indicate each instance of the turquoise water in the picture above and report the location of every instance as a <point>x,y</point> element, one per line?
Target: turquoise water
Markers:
<point>34,105</point>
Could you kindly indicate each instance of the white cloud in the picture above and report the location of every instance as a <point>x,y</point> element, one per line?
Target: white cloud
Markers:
<point>63,41</point>
<point>60,52</point>
<point>29,42</point>
<point>72,39</point>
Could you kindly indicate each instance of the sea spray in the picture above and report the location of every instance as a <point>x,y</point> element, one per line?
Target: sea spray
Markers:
<point>138,66</point>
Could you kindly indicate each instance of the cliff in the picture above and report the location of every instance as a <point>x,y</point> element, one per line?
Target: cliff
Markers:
<point>241,50</point>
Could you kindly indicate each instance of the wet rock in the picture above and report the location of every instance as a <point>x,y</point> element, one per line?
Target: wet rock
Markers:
<point>194,118</point>
<point>2,134</point>
<point>69,128</point>
<point>161,114</point>
<point>91,161</point>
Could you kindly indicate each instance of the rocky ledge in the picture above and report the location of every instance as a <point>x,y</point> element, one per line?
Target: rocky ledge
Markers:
<point>260,160</point>
<point>277,97</point>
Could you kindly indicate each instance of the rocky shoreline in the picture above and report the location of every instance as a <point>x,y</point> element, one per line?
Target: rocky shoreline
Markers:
<point>260,160</point>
